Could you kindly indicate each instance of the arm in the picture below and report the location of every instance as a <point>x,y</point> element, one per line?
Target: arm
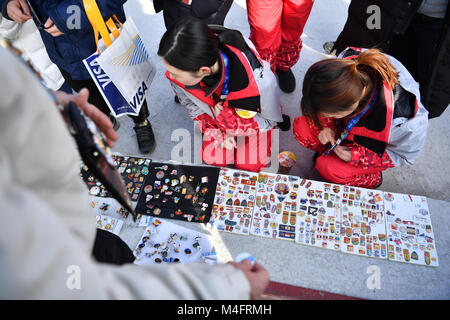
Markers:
<point>366,158</point>
<point>63,12</point>
<point>47,223</point>
<point>42,259</point>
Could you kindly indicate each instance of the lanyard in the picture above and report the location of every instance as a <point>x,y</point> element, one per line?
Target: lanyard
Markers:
<point>353,121</point>
<point>226,64</point>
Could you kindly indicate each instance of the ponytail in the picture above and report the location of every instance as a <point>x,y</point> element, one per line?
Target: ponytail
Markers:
<point>380,63</point>
<point>332,85</point>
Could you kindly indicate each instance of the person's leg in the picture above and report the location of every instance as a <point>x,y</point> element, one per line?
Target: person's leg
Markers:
<point>253,152</point>
<point>95,97</point>
<point>264,17</point>
<point>293,20</point>
<point>335,170</point>
<point>144,132</point>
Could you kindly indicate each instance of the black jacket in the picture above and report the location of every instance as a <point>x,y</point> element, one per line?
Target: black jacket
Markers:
<point>396,17</point>
<point>211,11</point>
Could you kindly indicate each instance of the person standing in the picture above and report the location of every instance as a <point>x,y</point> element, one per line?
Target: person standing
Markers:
<point>67,47</point>
<point>275,30</point>
<point>210,11</point>
<point>416,32</point>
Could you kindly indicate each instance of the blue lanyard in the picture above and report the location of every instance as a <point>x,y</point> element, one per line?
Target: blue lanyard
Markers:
<point>226,64</point>
<point>353,121</point>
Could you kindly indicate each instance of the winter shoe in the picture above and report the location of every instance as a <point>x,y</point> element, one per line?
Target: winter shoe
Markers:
<point>286,80</point>
<point>145,136</point>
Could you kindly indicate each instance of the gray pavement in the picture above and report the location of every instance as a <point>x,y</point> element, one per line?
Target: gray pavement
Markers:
<point>289,262</point>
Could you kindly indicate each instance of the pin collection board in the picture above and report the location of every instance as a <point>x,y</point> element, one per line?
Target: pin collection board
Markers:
<point>358,221</point>
<point>352,220</point>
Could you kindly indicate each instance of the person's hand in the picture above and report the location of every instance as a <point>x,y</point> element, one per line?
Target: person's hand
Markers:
<point>327,135</point>
<point>218,108</point>
<point>18,10</point>
<point>229,143</point>
<point>257,276</point>
<point>100,119</point>
<point>344,153</point>
<point>51,28</point>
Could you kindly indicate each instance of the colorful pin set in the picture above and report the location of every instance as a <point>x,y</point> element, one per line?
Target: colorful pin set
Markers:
<point>353,220</point>
<point>409,230</point>
<point>234,201</point>
<point>178,192</point>
<point>133,171</point>
<point>165,242</point>
<point>275,214</point>
<point>103,209</point>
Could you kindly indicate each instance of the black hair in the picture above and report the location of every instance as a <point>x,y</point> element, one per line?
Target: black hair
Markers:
<point>189,45</point>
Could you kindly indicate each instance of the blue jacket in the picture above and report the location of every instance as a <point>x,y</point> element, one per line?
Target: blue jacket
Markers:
<point>68,50</point>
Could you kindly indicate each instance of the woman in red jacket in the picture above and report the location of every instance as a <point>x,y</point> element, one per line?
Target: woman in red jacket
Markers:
<point>362,115</point>
<point>228,90</point>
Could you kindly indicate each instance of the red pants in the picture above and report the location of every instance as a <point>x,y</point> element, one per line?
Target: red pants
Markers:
<point>276,27</point>
<point>251,154</point>
<point>335,170</point>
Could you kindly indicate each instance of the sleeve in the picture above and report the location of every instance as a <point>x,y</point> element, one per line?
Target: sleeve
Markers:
<point>60,12</point>
<point>40,259</point>
<point>205,122</point>
<point>47,227</point>
<point>3,4</point>
<point>365,158</point>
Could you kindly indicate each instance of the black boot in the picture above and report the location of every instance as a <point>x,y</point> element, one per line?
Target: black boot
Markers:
<point>286,80</point>
<point>145,137</point>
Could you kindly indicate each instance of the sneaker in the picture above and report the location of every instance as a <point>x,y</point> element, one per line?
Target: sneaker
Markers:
<point>145,136</point>
<point>286,80</point>
<point>328,47</point>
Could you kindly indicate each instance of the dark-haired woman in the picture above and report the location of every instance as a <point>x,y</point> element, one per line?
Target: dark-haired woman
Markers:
<point>362,114</point>
<point>228,90</point>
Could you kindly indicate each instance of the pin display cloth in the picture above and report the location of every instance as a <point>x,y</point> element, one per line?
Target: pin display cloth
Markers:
<point>358,221</point>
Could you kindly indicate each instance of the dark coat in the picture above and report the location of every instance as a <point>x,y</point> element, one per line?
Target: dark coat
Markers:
<point>211,11</point>
<point>68,50</point>
<point>396,17</point>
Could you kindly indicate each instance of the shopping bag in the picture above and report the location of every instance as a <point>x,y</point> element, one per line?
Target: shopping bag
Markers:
<point>124,87</point>
<point>128,65</point>
<point>112,96</point>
